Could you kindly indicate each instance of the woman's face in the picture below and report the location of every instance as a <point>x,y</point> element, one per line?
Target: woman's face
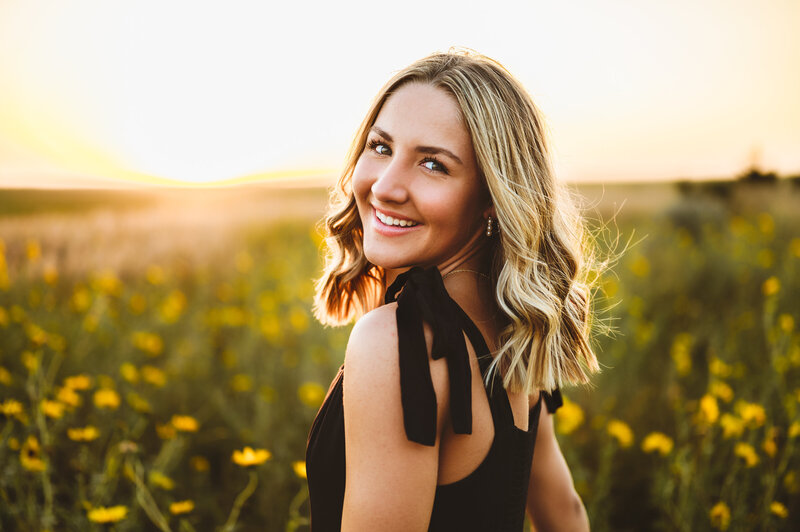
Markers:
<point>416,184</point>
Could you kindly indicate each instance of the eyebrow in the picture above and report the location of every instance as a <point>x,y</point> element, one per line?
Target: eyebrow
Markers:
<point>422,149</point>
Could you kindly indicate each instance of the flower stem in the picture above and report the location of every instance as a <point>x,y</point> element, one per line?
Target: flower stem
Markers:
<point>239,502</point>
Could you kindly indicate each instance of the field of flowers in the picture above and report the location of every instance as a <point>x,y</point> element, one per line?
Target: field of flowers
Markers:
<point>175,391</point>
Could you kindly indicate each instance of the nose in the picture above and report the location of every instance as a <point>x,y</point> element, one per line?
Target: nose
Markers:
<point>391,183</point>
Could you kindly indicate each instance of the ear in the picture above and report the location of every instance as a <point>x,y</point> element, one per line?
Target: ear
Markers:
<point>489,211</point>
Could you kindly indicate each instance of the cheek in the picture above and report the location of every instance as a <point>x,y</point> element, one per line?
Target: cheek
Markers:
<point>361,184</point>
<point>457,214</point>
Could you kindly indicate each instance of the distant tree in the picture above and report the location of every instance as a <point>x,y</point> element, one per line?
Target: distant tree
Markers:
<point>754,175</point>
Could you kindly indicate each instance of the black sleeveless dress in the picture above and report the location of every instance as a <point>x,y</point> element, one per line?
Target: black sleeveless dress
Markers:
<point>492,497</point>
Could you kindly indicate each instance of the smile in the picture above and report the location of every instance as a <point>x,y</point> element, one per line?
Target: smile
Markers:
<point>397,222</point>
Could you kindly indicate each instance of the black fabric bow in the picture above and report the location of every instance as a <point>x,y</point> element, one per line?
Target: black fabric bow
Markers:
<point>424,299</point>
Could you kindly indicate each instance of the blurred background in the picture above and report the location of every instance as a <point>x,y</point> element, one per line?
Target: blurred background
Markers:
<point>164,167</point>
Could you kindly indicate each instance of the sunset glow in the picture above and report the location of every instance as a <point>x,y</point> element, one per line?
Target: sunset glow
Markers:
<point>204,92</point>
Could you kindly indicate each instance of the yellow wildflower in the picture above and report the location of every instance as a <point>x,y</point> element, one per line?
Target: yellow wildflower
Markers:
<point>249,456</point>
<point>569,417</point>
<point>111,514</point>
<point>81,300</point>
<point>311,394</point>
<point>621,431</point>
<point>786,323</point>
<point>790,482</point>
<point>68,396</point>
<point>708,411</point>
<point>13,443</point>
<point>87,433</point>
<point>129,372</point>
<point>298,318</point>
<point>154,376</point>
<point>138,403</point>
<point>5,376</point>
<point>681,354</point>
<point>106,398</point>
<point>157,478</point>
<point>794,355</point>
<point>185,423</point>
<point>29,455</point>
<point>721,390</point>
<point>299,467</point>
<point>30,361</point>
<point>105,381</point>
<point>770,446</point>
<point>765,258</point>
<point>233,316</point>
<point>718,368</point>
<point>720,516</point>
<point>771,286</point>
<point>90,323</point>
<point>732,426</point>
<point>137,303</point>
<point>199,463</point>
<point>173,306</point>
<point>150,343</point>
<point>106,282</point>
<point>155,274</point>
<point>50,273</point>
<point>36,334</point>
<point>12,408</point>
<point>657,441</point>
<point>270,327</point>
<point>52,409</point>
<point>794,429</point>
<point>241,382</point>
<point>753,414</point>
<point>33,250</point>
<point>778,509</point>
<point>765,223</point>
<point>747,453</point>
<point>78,382</point>
<point>181,507</point>
<point>267,393</point>
<point>165,431</point>
<point>56,342</point>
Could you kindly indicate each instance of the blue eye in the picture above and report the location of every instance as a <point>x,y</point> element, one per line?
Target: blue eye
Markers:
<point>378,147</point>
<point>437,166</point>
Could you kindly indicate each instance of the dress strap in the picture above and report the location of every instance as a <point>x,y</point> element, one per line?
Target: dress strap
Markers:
<point>424,299</point>
<point>553,400</point>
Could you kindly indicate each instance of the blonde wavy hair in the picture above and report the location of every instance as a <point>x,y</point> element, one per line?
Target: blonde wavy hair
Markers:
<point>541,262</point>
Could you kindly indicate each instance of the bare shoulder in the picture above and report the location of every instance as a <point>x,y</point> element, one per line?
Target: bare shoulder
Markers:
<point>391,481</point>
<point>373,337</point>
<point>372,368</point>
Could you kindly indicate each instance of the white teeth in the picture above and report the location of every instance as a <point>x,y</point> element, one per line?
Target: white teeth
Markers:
<point>388,220</point>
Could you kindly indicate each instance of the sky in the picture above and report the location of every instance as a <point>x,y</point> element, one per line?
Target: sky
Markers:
<point>210,91</point>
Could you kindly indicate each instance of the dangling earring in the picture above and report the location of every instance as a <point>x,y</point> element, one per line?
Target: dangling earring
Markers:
<point>489,227</point>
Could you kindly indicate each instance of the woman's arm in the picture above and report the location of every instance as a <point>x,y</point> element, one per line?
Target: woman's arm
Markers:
<point>553,503</point>
<point>390,481</point>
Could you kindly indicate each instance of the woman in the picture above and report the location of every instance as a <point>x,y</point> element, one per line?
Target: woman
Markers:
<point>463,262</point>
